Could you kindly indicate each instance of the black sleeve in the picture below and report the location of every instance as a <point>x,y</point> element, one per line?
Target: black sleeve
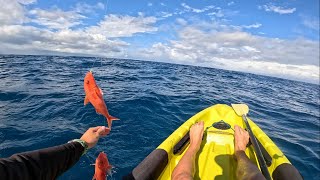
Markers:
<point>46,163</point>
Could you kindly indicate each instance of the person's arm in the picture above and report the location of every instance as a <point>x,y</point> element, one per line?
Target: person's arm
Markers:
<point>48,163</point>
<point>245,168</point>
<point>186,166</point>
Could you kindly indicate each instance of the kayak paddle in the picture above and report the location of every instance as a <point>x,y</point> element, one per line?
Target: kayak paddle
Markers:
<point>242,110</point>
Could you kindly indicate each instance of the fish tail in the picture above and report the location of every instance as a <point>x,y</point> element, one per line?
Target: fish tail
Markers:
<point>110,119</point>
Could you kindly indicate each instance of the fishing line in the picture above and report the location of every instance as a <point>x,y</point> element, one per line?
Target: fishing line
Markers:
<point>105,13</point>
<point>91,160</point>
<point>105,124</point>
<point>106,10</point>
<point>92,65</point>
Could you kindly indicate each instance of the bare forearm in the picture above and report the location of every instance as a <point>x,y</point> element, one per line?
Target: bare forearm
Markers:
<point>245,168</point>
<point>186,166</point>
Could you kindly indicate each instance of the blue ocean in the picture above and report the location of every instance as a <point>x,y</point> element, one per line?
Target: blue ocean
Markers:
<point>41,101</point>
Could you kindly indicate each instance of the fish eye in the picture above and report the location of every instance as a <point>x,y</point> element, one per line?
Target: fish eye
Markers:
<point>87,81</point>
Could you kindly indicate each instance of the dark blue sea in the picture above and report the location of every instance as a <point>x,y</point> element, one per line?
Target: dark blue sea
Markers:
<point>41,102</point>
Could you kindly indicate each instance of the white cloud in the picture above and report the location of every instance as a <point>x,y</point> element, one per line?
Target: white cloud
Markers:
<point>306,73</point>
<point>181,21</point>
<point>100,40</point>
<point>84,8</point>
<point>312,23</point>
<point>100,5</point>
<point>56,18</point>
<point>123,26</point>
<point>149,4</point>
<point>165,14</point>
<point>277,9</point>
<point>230,3</point>
<point>140,13</point>
<point>28,39</point>
<point>256,25</point>
<point>250,49</point>
<point>56,37</point>
<point>218,14</point>
<point>190,9</point>
<point>26,2</point>
<point>237,50</point>
<point>11,12</point>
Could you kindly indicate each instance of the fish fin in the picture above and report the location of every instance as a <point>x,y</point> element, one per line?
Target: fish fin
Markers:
<point>86,100</point>
<point>92,164</point>
<point>101,91</point>
<point>109,172</point>
<point>110,119</point>
<point>94,177</point>
<point>98,112</point>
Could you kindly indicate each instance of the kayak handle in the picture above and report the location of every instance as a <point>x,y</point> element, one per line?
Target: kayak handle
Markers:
<point>181,145</point>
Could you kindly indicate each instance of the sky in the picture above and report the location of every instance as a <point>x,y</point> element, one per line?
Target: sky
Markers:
<point>274,38</point>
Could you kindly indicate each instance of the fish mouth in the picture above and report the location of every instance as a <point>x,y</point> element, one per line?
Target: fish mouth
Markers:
<point>102,154</point>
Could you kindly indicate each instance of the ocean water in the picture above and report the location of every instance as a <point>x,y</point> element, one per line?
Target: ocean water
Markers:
<point>41,102</point>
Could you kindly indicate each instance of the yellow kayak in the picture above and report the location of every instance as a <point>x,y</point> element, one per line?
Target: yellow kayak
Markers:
<point>215,158</point>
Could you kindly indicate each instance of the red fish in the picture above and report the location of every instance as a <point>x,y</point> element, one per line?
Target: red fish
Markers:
<point>94,96</point>
<point>102,167</point>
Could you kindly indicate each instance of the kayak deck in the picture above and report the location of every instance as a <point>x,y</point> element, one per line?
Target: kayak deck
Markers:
<point>215,158</point>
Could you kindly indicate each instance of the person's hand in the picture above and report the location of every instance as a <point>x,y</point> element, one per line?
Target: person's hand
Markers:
<point>92,135</point>
<point>196,133</point>
<point>241,139</point>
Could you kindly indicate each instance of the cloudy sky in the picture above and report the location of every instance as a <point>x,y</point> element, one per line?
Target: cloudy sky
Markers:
<point>276,38</point>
